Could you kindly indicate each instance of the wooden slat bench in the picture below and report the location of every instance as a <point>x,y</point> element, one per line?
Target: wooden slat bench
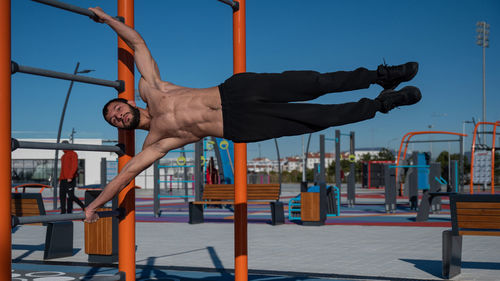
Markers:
<point>470,215</point>
<point>27,204</point>
<point>223,194</point>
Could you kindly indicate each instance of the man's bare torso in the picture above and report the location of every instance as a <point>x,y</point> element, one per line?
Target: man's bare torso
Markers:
<point>184,113</point>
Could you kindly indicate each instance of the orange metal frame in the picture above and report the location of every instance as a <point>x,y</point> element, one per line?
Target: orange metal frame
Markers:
<point>406,138</point>
<point>126,198</point>
<point>240,157</point>
<point>5,136</point>
<point>492,156</point>
<point>31,185</point>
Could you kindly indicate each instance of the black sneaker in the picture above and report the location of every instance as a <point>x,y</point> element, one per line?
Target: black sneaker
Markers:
<point>389,77</point>
<point>390,99</point>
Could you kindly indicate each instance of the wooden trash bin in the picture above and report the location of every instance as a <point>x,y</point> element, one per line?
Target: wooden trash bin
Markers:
<point>101,237</point>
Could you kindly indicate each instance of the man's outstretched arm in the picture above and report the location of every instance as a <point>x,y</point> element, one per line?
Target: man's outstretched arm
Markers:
<point>134,167</point>
<point>142,56</point>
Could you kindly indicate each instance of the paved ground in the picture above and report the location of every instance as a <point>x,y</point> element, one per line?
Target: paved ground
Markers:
<point>337,251</point>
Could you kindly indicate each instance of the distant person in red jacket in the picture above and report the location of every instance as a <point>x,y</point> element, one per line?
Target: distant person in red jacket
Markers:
<point>67,181</point>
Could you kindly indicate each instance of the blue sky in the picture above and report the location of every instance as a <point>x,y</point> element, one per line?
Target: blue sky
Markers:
<point>192,44</point>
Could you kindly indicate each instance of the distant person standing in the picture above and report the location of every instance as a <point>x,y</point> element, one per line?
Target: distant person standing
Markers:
<point>67,181</point>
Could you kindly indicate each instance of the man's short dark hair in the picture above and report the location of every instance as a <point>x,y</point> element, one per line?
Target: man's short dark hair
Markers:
<point>105,108</point>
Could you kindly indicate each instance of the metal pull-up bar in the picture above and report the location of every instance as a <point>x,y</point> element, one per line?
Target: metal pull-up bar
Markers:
<point>70,8</point>
<point>120,276</point>
<point>235,5</point>
<point>62,217</point>
<point>118,149</point>
<point>119,85</point>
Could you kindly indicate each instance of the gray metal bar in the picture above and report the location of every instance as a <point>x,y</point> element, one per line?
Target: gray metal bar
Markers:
<point>156,188</point>
<point>461,164</point>
<point>67,7</point>
<point>104,172</point>
<point>351,184</point>
<point>120,276</point>
<point>198,176</point>
<point>219,159</point>
<point>338,167</point>
<point>235,5</point>
<point>118,149</point>
<point>185,175</point>
<point>279,163</point>
<point>119,85</point>
<point>60,217</point>
<point>390,188</point>
<point>322,168</point>
<point>71,8</point>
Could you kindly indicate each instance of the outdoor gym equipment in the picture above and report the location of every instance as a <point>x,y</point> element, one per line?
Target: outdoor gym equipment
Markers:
<point>420,175</point>
<point>118,85</point>
<point>351,180</point>
<point>118,149</point>
<point>127,195</point>
<point>482,162</point>
<point>125,77</point>
<point>406,140</point>
<point>313,206</point>
<point>180,163</point>
<point>61,217</point>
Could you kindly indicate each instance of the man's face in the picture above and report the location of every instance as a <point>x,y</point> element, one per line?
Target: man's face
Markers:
<point>123,115</point>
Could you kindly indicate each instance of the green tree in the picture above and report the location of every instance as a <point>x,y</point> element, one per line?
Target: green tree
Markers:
<point>385,154</point>
<point>443,160</point>
<point>366,157</point>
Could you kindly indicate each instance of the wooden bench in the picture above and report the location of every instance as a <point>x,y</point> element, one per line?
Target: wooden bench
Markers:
<point>27,204</point>
<point>223,194</point>
<point>470,215</point>
<point>59,235</point>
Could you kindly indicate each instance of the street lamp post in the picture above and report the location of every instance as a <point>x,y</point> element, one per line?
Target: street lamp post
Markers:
<point>483,30</point>
<point>54,175</point>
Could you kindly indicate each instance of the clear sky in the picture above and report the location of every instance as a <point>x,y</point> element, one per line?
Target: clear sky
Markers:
<point>192,44</point>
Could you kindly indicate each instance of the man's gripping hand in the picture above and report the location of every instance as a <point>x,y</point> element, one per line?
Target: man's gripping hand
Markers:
<point>101,16</point>
<point>90,216</point>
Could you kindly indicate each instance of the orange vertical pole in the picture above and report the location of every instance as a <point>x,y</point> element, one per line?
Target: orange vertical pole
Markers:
<point>240,156</point>
<point>126,198</point>
<point>471,189</point>
<point>493,159</point>
<point>5,157</point>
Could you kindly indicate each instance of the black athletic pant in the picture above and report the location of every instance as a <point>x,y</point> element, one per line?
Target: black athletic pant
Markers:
<point>67,196</point>
<point>263,106</point>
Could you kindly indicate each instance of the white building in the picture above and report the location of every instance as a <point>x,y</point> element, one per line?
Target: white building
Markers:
<point>37,164</point>
<point>314,158</point>
<point>292,164</point>
<point>262,165</point>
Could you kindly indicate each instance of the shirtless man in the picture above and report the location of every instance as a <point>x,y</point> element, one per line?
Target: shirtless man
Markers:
<point>247,107</point>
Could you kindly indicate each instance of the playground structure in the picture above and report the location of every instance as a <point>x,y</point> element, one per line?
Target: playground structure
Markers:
<point>422,175</point>
<point>373,173</point>
<point>406,140</point>
<point>482,171</point>
<point>193,171</point>
<point>241,255</point>
<point>313,205</point>
<point>124,85</point>
<point>351,180</point>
